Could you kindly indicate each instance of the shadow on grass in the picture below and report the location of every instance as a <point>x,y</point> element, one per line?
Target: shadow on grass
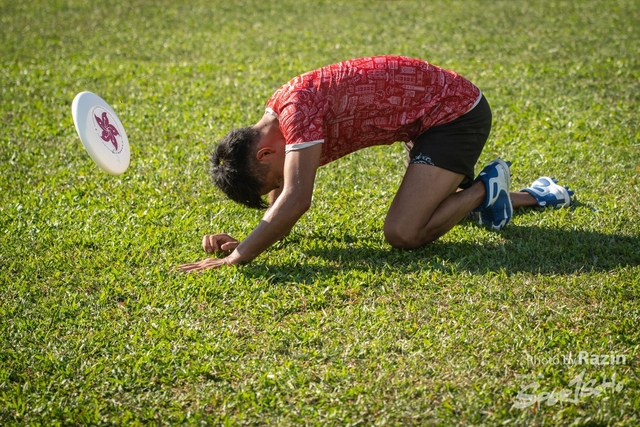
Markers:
<point>521,249</point>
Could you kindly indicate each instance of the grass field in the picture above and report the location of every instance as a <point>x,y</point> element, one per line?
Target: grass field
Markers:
<point>330,326</point>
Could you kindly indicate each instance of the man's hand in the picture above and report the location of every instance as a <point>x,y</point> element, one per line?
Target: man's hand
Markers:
<point>219,242</point>
<point>211,243</point>
<point>204,264</point>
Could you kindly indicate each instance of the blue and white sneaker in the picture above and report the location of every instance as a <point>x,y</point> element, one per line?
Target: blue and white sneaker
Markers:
<point>496,210</point>
<point>548,193</point>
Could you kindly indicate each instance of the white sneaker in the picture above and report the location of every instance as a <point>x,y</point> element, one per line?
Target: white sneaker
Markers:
<point>548,193</point>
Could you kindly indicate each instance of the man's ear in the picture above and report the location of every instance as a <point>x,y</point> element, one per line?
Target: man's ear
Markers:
<point>264,153</point>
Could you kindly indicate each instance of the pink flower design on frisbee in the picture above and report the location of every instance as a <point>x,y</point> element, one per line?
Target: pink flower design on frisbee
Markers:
<point>109,131</point>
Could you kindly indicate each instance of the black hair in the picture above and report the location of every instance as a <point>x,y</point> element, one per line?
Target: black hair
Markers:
<point>236,170</point>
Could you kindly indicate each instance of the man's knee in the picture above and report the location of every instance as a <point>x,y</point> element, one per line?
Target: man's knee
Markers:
<point>401,237</point>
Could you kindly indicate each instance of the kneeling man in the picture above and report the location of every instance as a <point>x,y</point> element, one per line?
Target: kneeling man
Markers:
<point>320,116</point>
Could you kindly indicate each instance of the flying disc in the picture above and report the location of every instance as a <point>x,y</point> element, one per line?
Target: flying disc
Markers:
<point>101,132</point>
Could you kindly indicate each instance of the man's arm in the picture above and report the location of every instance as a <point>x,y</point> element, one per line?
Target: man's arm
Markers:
<point>295,199</point>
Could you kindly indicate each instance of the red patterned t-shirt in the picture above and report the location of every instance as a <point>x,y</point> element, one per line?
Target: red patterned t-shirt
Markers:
<point>368,101</point>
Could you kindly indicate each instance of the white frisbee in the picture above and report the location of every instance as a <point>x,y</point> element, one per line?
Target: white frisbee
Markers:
<point>101,132</point>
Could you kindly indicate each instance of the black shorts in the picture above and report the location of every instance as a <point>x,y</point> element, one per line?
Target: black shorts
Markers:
<point>455,146</point>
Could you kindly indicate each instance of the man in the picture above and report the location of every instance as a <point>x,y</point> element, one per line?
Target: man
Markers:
<point>320,116</point>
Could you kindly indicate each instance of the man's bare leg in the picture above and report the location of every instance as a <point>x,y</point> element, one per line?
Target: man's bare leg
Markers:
<point>522,200</point>
<point>427,205</point>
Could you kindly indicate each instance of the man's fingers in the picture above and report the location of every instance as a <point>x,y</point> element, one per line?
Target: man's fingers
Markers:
<point>210,243</point>
<point>218,242</point>
<point>229,246</point>
<point>188,267</point>
<point>202,265</point>
<point>207,244</point>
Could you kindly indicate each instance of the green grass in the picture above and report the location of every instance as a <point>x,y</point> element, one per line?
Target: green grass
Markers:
<point>330,326</point>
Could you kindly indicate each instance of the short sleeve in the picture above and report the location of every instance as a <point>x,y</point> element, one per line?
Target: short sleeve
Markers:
<point>301,117</point>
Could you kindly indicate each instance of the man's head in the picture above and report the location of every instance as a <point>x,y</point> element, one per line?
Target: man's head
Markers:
<point>235,168</point>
